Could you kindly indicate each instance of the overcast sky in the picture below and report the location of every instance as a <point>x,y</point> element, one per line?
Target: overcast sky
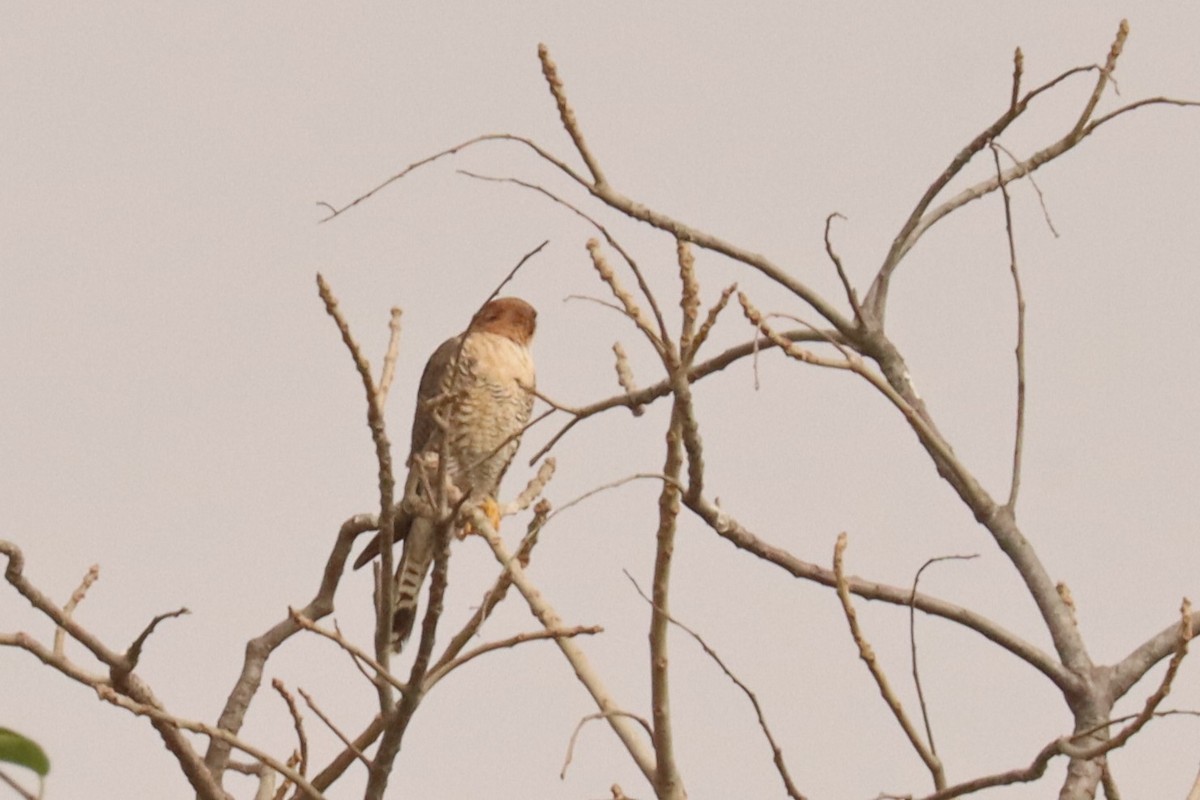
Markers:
<point>176,406</point>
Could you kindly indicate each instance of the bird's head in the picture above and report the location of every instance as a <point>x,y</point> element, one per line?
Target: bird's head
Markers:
<point>510,317</point>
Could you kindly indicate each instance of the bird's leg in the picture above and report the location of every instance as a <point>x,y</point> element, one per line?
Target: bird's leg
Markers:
<point>491,510</point>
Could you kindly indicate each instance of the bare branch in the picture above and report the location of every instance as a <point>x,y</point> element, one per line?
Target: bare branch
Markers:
<point>851,294</point>
<point>550,619</point>
<point>668,785</point>
<point>499,589</point>
<point>60,633</point>
<point>710,320</point>
<point>615,484</point>
<point>258,650</point>
<point>488,137</point>
<point>110,695</point>
<point>387,487</point>
<point>134,653</point>
<point>355,652</point>
<point>912,641</point>
<point>513,273</point>
<point>389,359</point>
<point>630,306</point>
<point>567,115</point>
<point>16,787</point>
<point>1018,71</point>
<point>533,490</point>
<point>867,654</point>
<point>350,746</point>
<point>600,715</point>
<point>608,237</point>
<point>625,377</point>
<point>776,750</point>
<point>441,671</point>
<point>1019,438</point>
<point>297,723</point>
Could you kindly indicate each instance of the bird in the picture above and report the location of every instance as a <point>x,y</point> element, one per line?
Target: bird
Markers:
<point>480,384</point>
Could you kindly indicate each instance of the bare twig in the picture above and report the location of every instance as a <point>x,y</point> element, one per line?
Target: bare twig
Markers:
<point>550,619</point>
<point>442,670</point>
<point>389,359</point>
<point>613,485</point>
<point>350,746</point>
<point>668,785</point>
<point>18,788</point>
<point>605,193</point>
<point>599,715</point>
<point>258,650</point>
<point>625,377</point>
<point>298,724</point>
<point>776,750</point>
<point>488,137</point>
<point>851,294</point>
<point>533,490</point>
<point>1019,437</point>
<point>110,695</point>
<point>60,633</point>
<point>387,488</point>
<point>513,273</point>
<point>628,303</point>
<point>567,114</point>
<point>867,654</point>
<point>135,650</point>
<point>1036,188</point>
<point>1018,71</point>
<point>603,231</point>
<point>710,320</point>
<point>912,641</point>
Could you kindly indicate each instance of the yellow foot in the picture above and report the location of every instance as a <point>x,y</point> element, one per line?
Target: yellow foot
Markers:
<point>491,510</point>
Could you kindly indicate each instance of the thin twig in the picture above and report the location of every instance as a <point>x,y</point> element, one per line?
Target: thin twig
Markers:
<point>60,633</point>
<point>354,650</point>
<point>912,641</point>
<point>567,114</point>
<point>546,614</point>
<point>387,488</point>
<point>297,723</point>
<point>658,476</point>
<point>110,695</point>
<point>851,294</point>
<point>350,746</point>
<point>776,750</point>
<point>867,654</point>
<point>1036,188</point>
<point>18,788</point>
<point>134,653</point>
<point>1019,437</point>
<point>588,718</point>
<point>389,359</point>
<point>442,670</point>
<point>603,231</point>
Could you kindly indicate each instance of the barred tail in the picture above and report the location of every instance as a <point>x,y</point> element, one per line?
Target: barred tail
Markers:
<point>414,564</point>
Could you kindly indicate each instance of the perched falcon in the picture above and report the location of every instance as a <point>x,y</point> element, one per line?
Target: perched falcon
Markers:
<point>484,405</point>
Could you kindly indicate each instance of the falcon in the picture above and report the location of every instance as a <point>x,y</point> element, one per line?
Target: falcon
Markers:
<point>480,385</point>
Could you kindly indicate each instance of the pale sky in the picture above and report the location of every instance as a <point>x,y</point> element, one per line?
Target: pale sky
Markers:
<point>176,406</point>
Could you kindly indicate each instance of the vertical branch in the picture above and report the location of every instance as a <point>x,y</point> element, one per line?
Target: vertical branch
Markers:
<point>1019,437</point>
<point>546,614</point>
<point>387,490</point>
<point>567,115</point>
<point>867,654</point>
<point>667,783</point>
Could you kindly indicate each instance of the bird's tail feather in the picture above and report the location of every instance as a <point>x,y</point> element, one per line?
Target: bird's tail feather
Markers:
<point>414,564</point>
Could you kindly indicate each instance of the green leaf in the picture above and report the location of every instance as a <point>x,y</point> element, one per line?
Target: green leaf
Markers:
<point>16,749</point>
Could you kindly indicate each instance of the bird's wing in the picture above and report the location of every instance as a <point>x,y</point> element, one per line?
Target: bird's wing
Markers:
<point>435,379</point>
